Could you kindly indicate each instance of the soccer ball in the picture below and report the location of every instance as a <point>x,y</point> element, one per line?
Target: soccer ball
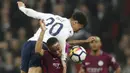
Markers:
<point>77,54</point>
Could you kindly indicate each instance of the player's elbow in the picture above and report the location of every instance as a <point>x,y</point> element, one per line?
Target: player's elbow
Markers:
<point>37,51</point>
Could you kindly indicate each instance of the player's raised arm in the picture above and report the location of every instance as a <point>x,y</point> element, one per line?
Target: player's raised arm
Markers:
<point>34,63</point>
<point>30,12</point>
<point>38,46</point>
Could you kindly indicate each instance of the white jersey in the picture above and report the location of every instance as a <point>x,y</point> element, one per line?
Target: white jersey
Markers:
<point>57,27</point>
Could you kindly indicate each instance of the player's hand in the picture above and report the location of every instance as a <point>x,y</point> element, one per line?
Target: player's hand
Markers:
<point>91,38</point>
<point>42,25</point>
<point>21,4</point>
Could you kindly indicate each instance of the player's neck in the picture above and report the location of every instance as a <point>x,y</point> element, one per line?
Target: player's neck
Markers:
<point>96,53</point>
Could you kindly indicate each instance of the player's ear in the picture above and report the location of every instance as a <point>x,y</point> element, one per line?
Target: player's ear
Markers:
<point>100,43</point>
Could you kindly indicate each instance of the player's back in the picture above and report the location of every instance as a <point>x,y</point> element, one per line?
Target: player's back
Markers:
<point>51,63</point>
<point>56,27</point>
<point>98,64</point>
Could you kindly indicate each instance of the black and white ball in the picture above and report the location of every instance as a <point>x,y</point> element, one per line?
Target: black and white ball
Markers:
<point>77,54</point>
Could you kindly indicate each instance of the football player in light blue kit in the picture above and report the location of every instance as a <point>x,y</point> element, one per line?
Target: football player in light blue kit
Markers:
<point>57,26</point>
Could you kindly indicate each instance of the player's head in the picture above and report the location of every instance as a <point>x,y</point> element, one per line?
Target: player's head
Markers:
<point>95,43</point>
<point>78,21</point>
<point>54,46</point>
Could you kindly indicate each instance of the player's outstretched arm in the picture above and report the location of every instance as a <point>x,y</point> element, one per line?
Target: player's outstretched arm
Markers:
<point>75,42</point>
<point>30,12</point>
<point>38,46</point>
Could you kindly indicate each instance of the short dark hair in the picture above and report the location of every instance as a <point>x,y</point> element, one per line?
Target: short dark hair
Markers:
<point>52,41</point>
<point>80,17</point>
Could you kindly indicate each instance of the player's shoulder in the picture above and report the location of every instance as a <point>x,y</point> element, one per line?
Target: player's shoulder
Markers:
<point>63,20</point>
<point>107,55</point>
<point>60,18</point>
<point>110,57</point>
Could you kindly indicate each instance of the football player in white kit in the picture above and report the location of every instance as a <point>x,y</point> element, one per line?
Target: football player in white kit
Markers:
<point>56,26</point>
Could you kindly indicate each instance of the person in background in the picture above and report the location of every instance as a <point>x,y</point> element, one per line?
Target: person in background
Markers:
<point>98,61</point>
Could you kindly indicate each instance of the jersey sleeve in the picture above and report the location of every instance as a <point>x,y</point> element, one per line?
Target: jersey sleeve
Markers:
<point>34,14</point>
<point>113,62</point>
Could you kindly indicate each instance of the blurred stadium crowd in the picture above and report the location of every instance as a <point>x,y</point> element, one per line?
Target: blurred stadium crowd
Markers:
<point>108,19</point>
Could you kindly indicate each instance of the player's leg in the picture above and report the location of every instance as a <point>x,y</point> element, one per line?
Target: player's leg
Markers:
<point>35,70</point>
<point>35,64</point>
<point>26,52</point>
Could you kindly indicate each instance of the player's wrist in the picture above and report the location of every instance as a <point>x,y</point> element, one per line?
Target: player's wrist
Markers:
<point>20,4</point>
<point>43,30</point>
<point>42,24</point>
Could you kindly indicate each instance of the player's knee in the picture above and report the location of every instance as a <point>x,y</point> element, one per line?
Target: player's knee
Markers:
<point>35,70</point>
<point>24,67</point>
<point>23,71</point>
